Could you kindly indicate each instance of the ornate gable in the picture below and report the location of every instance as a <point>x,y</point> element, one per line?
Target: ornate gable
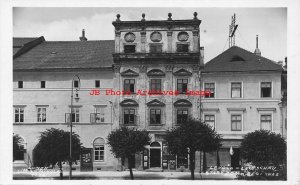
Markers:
<point>182,72</point>
<point>129,103</point>
<point>129,72</point>
<point>156,72</point>
<point>182,103</point>
<point>156,103</point>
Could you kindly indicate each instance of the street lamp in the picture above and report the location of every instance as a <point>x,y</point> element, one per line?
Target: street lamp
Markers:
<point>71,117</point>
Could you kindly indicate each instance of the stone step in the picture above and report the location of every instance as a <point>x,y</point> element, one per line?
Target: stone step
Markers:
<point>154,170</point>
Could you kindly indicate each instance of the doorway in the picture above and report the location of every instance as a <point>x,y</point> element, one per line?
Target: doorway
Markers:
<point>154,157</point>
<point>235,159</point>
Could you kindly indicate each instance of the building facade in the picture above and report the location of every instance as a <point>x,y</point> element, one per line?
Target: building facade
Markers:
<point>141,80</point>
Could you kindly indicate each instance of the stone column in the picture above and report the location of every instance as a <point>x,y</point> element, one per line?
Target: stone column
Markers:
<point>116,99</point>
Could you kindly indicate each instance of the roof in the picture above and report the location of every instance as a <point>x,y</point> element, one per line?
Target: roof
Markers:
<point>50,55</point>
<point>237,59</point>
<point>19,42</point>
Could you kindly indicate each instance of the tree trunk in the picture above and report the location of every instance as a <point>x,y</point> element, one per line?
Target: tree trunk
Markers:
<point>218,159</point>
<point>60,170</point>
<point>130,167</point>
<point>204,162</point>
<point>192,164</point>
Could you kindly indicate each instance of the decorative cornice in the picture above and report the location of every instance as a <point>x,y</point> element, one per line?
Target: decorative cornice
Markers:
<point>156,102</point>
<point>129,103</point>
<point>182,103</point>
<point>129,72</point>
<point>266,109</point>
<point>116,68</point>
<point>236,109</point>
<point>169,68</point>
<point>182,72</point>
<point>143,68</point>
<point>211,109</point>
<point>156,72</point>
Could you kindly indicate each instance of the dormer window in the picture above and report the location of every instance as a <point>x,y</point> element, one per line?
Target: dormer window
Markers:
<point>129,48</point>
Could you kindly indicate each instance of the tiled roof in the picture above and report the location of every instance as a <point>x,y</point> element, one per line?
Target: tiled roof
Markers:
<point>19,42</point>
<point>50,55</point>
<point>236,59</point>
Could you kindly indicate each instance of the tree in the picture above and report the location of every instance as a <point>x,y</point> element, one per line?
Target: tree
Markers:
<point>190,137</point>
<point>126,142</point>
<point>54,148</point>
<point>264,149</point>
<point>16,146</point>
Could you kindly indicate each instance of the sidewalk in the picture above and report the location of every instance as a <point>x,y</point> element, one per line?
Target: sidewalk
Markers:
<point>120,175</point>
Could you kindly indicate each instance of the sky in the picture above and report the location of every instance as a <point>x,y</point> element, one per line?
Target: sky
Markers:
<point>65,24</point>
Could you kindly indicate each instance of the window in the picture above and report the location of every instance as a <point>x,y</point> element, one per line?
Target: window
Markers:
<point>20,84</point>
<point>129,48</point>
<point>129,85</point>
<point>182,116</point>
<point>209,87</point>
<point>210,120</point>
<point>155,86</point>
<point>236,90</point>
<point>76,83</point>
<point>182,48</point>
<point>129,116</point>
<point>43,84</point>
<point>266,121</point>
<point>41,114</point>
<point>98,116</point>
<point>99,149</point>
<point>236,122</point>
<point>75,116</point>
<point>97,83</point>
<point>182,85</point>
<point>155,48</point>
<point>155,116</point>
<point>19,114</point>
<point>266,89</point>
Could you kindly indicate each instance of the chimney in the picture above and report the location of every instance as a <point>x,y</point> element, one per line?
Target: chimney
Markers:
<point>83,38</point>
<point>285,59</point>
<point>257,51</point>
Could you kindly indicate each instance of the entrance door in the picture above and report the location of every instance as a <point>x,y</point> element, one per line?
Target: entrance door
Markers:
<point>155,157</point>
<point>235,159</point>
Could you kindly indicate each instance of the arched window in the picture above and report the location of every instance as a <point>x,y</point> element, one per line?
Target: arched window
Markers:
<point>98,146</point>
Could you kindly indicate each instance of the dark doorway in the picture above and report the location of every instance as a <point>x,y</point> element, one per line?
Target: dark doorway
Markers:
<point>154,157</point>
<point>235,159</point>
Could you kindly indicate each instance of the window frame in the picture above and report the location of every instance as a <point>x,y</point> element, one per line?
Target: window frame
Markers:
<point>43,84</point>
<point>155,91</point>
<point>76,84</point>
<point>20,84</point>
<point>271,121</point>
<point>210,90</point>
<point>177,85</point>
<point>129,118</point>
<point>41,114</point>
<point>160,116</point>
<point>271,91</point>
<point>187,115</point>
<point>231,122</point>
<point>155,45</point>
<point>214,121</point>
<point>94,152</point>
<point>124,85</point>
<point>241,89</point>
<point>19,114</point>
<point>97,84</point>
<point>184,44</point>
<point>129,45</point>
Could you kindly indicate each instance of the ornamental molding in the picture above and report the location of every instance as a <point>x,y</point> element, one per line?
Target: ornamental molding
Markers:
<point>182,72</point>
<point>129,37</point>
<point>182,36</point>
<point>156,102</point>
<point>182,103</point>
<point>236,109</point>
<point>266,109</point>
<point>129,72</point>
<point>156,72</point>
<point>129,103</point>
<point>156,36</point>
